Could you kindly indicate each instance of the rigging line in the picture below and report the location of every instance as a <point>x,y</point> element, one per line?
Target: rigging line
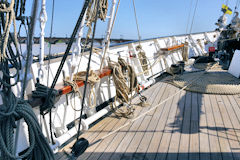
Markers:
<point>80,18</point>
<point>189,14</point>
<point>29,53</point>
<point>50,45</point>
<point>114,19</point>
<point>88,68</point>
<point>49,60</point>
<point>29,45</point>
<point>193,17</point>
<point>135,14</point>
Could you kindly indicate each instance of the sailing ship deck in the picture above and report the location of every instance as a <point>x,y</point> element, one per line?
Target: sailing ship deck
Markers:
<point>187,126</point>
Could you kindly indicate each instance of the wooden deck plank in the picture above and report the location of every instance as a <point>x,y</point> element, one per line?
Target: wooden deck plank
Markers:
<point>223,139</point>
<point>142,148</point>
<point>213,137</point>
<point>155,141</point>
<point>167,133</point>
<point>119,138</point>
<point>234,110</point>
<point>121,121</point>
<point>185,137</point>
<point>203,131</point>
<point>188,126</point>
<point>132,147</point>
<point>228,114</point>
<point>131,152</point>
<point>194,130</point>
<point>91,140</point>
<point>93,132</point>
<point>177,127</point>
<point>121,148</point>
<point>106,142</point>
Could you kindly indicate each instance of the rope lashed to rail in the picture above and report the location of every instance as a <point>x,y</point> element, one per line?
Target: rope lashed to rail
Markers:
<point>92,80</point>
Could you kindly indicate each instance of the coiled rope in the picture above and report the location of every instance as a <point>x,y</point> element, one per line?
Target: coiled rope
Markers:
<point>7,18</point>
<point>92,13</point>
<point>125,81</point>
<point>11,110</point>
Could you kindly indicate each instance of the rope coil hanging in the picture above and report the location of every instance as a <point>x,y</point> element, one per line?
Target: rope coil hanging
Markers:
<point>10,18</point>
<point>143,59</point>
<point>14,109</point>
<point>125,80</point>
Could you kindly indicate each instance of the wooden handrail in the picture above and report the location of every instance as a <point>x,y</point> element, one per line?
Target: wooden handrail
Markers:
<point>173,47</point>
<point>67,89</point>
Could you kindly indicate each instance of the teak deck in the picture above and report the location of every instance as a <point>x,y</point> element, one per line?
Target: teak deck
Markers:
<point>187,126</point>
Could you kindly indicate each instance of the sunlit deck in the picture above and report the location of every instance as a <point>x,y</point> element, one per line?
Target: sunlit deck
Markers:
<point>187,126</point>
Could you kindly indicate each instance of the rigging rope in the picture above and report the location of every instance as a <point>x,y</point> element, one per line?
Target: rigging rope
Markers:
<point>88,69</point>
<point>135,14</point>
<point>13,109</point>
<point>193,16</point>
<point>189,14</point>
<point>93,11</point>
<point>49,60</point>
<point>141,52</point>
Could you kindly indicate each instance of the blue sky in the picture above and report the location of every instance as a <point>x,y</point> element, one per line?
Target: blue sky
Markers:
<point>156,17</point>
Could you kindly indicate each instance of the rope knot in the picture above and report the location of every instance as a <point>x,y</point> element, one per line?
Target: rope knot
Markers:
<point>42,93</point>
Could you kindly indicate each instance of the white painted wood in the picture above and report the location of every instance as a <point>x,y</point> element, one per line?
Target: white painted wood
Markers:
<point>234,68</point>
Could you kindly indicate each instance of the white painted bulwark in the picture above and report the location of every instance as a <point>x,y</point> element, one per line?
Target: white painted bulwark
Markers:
<point>234,68</point>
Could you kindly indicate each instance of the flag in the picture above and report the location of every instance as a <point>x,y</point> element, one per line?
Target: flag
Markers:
<point>226,9</point>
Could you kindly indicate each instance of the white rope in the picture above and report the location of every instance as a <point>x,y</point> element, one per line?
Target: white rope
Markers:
<point>10,17</point>
<point>43,20</point>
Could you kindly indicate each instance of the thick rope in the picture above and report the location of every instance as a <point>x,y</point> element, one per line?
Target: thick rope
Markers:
<point>92,13</point>
<point>92,80</point>
<point>13,109</point>
<point>125,81</point>
<point>90,18</point>
<point>10,18</point>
